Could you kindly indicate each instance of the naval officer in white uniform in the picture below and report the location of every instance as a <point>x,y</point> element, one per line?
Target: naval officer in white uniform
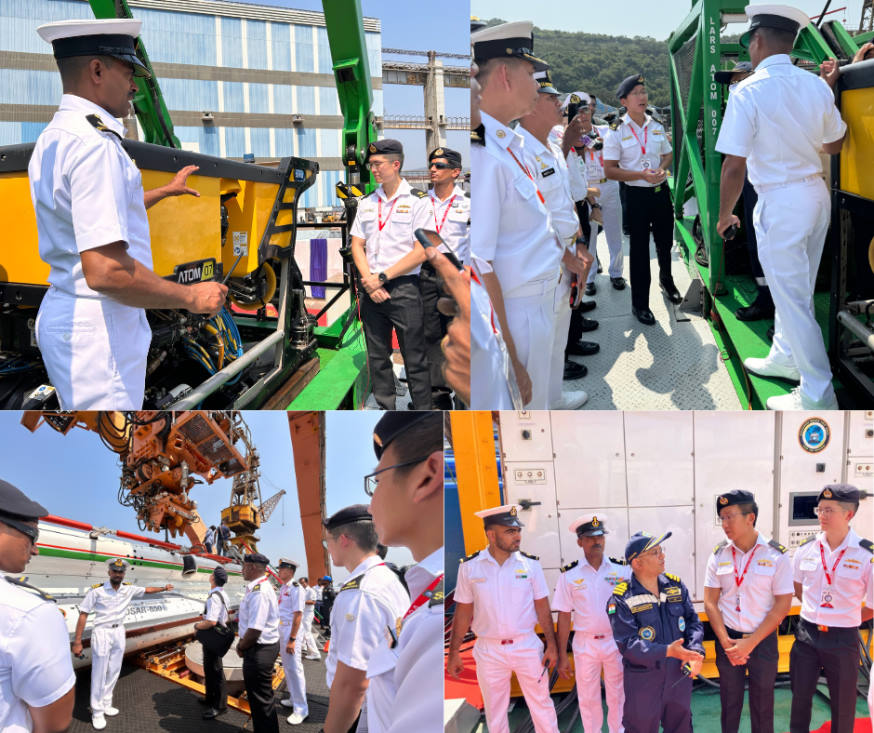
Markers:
<point>37,684</point>
<point>291,605</point>
<point>776,123</point>
<point>92,226</point>
<point>109,602</point>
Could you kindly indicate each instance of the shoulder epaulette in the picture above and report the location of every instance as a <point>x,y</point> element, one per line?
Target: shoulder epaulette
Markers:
<point>419,193</point>
<point>570,566</point>
<point>478,135</point>
<point>777,546</point>
<point>530,557</point>
<point>614,124</point>
<point>722,544</point>
<point>257,587</point>
<point>97,585</point>
<point>22,582</point>
<point>436,595</point>
<point>673,577</point>
<point>868,545</point>
<point>467,194</point>
<point>469,557</point>
<point>809,539</point>
<point>618,561</point>
<point>620,589</point>
<point>351,584</point>
<point>100,125</point>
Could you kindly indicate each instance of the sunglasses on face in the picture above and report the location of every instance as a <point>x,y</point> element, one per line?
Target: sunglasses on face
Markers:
<point>439,166</point>
<point>25,529</point>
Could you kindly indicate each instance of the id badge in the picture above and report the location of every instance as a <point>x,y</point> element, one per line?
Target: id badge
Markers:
<point>646,164</point>
<point>827,598</point>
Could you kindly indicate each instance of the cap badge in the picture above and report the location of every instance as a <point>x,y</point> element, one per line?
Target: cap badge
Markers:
<point>439,151</point>
<point>508,51</point>
<point>827,493</point>
<point>575,99</point>
<point>723,500</point>
<point>372,148</point>
<point>512,511</point>
<point>377,439</point>
<point>595,522</point>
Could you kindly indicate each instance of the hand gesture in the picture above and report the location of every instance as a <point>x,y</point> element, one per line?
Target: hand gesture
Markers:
<point>829,71</point>
<point>208,298</point>
<point>723,224</point>
<point>179,186</point>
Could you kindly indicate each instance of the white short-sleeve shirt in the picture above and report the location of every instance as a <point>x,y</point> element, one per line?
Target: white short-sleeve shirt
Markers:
<point>259,610</point>
<point>550,171</point>
<point>768,574</point>
<point>291,600</point>
<point>595,158</point>
<point>110,605</point>
<point>585,591</point>
<point>387,225</point>
<point>778,119</point>
<point>450,218</point>
<point>309,610</point>
<point>35,664</point>
<point>636,147</point>
<point>215,609</point>
<point>86,193</point>
<point>502,595</point>
<point>366,606</point>
<point>838,603</point>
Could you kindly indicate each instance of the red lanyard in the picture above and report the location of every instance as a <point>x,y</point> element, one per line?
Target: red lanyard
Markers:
<point>424,595</point>
<point>824,568</point>
<point>379,213</point>
<point>445,213</point>
<point>600,157</point>
<point>645,136</point>
<point>524,168</point>
<point>739,580</point>
<point>473,276</point>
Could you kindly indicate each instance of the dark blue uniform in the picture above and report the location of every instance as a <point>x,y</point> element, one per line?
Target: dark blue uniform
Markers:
<point>656,691</point>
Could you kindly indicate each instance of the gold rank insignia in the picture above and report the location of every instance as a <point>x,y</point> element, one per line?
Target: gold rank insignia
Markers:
<point>575,99</point>
<point>827,493</point>
<point>723,500</point>
<point>372,148</point>
<point>595,522</point>
<point>438,152</point>
<point>512,511</point>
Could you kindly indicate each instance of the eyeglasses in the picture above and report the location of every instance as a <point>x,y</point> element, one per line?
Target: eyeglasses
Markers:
<point>25,529</point>
<point>826,511</point>
<point>371,482</point>
<point>655,552</point>
<point>371,164</point>
<point>440,166</point>
<point>731,517</point>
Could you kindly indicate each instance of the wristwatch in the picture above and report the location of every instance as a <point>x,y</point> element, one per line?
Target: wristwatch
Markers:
<point>383,278</point>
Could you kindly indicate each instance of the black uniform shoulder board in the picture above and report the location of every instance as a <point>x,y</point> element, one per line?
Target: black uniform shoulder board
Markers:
<point>469,557</point>
<point>530,557</point>
<point>419,193</point>
<point>809,539</point>
<point>351,584</point>
<point>868,545</point>
<point>570,566</point>
<point>618,561</point>
<point>478,135</point>
<point>437,595</point>
<point>614,124</point>
<point>673,577</point>
<point>99,124</point>
<point>22,582</point>
<point>467,194</point>
<point>620,589</point>
<point>777,546</point>
<point>97,585</point>
<point>722,544</point>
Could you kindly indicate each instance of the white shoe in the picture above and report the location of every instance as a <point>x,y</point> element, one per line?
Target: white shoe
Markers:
<point>794,401</point>
<point>98,721</point>
<point>287,703</point>
<point>296,718</point>
<point>768,368</point>
<point>110,711</point>
<point>570,400</point>
<point>316,657</point>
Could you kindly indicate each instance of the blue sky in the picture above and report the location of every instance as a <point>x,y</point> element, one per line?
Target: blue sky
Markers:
<point>75,476</point>
<point>627,17</point>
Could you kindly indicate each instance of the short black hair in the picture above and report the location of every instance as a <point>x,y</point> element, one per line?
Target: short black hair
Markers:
<point>361,533</point>
<point>421,439</point>
<point>749,508</point>
<point>776,37</point>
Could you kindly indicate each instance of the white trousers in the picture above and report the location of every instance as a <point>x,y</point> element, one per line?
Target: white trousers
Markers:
<point>107,652</point>
<point>307,636</point>
<point>293,668</point>
<point>531,319</point>
<point>611,213</point>
<point>590,656</point>
<point>495,663</point>
<point>791,225</point>
<point>94,350</point>
<point>561,311</point>
<point>488,382</point>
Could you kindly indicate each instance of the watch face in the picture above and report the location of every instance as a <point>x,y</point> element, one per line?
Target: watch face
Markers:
<point>382,277</point>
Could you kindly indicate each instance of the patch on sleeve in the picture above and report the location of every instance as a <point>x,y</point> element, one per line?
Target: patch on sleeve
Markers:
<point>647,633</point>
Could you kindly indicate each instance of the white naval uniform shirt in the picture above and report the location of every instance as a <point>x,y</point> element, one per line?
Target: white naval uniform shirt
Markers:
<point>401,215</point>
<point>769,575</point>
<point>110,605</point>
<point>851,581</point>
<point>550,170</point>
<point>622,145</point>
<point>86,193</point>
<point>35,664</point>
<point>778,119</point>
<point>291,600</point>
<point>215,609</point>
<point>594,159</point>
<point>454,224</point>
<point>510,227</point>
<point>398,675</point>
<point>502,595</point>
<point>585,591</point>
<point>310,594</point>
<point>371,600</point>
<point>259,610</point>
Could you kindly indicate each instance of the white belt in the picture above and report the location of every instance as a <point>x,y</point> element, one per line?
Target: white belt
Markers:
<point>773,186</point>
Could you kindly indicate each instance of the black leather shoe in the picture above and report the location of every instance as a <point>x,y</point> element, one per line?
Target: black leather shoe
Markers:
<point>572,370</point>
<point>582,348</point>
<point>618,283</point>
<point>211,713</point>
<point>586,305</point>
<point>671,291</point>
<point>644,315</point>
<point>755,312</point>
<point>591,289</point>
<point>588,324</point>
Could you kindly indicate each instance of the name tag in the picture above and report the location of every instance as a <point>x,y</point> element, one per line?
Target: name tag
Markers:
<point>808,563</point>
<point>547,172</point>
